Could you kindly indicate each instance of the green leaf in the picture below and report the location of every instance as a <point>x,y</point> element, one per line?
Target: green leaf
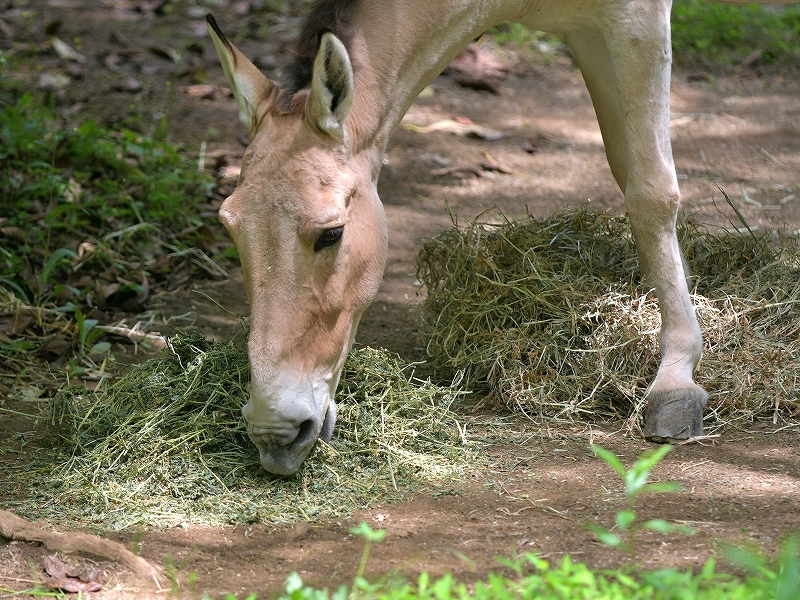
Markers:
<point>606,537</point>
<point>50,265</point>
<point>294,583</point>
<point>367,532</point>
<point>787,584</point>
<point>635,480</point>
<point>512,564</point>
<point>539,564</point>
<point>749,560</point>
<point>625,518</point>
<point>610,539</point>
<point>84,329</point>
<point>708,568</point>
<point>609,458</point>
<point>650,459</point>
<point>659,525</point>
<point>101,348</point>
<point>667,486</point>
<point>18,291</point>
<point>637,477</point>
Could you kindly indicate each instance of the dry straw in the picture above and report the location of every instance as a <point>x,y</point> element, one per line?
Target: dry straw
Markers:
<point>549,316</point>
<point>165,445</point>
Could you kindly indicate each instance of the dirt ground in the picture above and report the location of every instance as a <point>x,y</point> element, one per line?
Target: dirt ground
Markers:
<point>739,130</point>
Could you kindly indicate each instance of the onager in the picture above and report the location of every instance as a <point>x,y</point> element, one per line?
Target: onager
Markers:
<point>311,230</point>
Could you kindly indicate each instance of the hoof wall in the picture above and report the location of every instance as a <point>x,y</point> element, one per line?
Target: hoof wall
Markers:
<point>675,415</point>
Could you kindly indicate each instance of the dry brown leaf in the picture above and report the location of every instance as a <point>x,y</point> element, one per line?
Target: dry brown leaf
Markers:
<point>66,51</point>
<point>203,91</point>
<point>477,68</point>
<point>67,579</point>
<point>461,127</point>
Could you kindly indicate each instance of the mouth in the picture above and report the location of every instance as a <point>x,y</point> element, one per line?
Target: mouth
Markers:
<point>330,422</point>
<point>287,459</point>
<point>283,460</point>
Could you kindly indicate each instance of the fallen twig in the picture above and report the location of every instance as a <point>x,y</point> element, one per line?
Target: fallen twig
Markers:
<point>699,440</point>
<point>136,335</point>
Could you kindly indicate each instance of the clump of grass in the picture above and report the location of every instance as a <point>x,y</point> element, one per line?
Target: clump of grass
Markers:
<point>550,317</point>
<point>115,207</point>
<point>522,38</point>
<point>165,444</point>
<point>712,34</point>
<point>704,34</point>
<point>92,219</point>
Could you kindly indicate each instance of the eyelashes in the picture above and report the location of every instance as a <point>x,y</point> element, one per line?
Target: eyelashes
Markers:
<point>328,238</point>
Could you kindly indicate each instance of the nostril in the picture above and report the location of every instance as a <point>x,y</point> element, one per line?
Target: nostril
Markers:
<point>306,433</point>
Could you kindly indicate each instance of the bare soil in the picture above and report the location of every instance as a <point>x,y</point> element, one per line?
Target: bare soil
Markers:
<point>739,130</point>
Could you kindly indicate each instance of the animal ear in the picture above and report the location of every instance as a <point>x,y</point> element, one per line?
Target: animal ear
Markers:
<point>331,87</point>
<point>251,89</point>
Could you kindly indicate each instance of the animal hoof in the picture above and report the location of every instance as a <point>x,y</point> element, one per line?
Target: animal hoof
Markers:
<point>675,415</point>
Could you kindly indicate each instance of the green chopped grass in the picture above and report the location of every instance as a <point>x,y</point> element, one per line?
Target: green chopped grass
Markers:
<point>165,445</point>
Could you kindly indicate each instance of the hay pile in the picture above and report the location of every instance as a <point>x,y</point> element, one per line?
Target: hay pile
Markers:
<point>165,444</point>
<point>550,316</point>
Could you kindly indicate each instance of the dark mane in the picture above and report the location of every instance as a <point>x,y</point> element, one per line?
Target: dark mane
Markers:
<point>325,15</point>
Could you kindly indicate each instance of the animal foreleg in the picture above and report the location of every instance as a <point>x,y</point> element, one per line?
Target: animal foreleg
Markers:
<point>639,46</point>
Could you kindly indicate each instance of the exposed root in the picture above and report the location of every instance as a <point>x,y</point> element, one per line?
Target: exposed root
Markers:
<point>16,528</point>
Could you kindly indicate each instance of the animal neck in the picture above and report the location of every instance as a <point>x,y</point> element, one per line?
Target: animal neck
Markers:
<point>400,47</point>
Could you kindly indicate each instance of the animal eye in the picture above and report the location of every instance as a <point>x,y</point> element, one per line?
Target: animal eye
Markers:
<point>328,238</point>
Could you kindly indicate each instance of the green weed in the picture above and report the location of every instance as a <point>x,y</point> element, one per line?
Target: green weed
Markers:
<point>534,577</point>
<point>713,34</point>
<point>635,480</point>
<point>92,218</point>
<point>779,578</point>
<point>362,587</point>
<point>704,33</point>
<point>84,203</point>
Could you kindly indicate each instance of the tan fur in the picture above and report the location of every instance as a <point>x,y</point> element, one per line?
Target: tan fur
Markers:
<point>312,170</point>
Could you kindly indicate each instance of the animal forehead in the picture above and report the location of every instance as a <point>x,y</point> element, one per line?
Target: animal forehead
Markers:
<point>293,154</point>
<point>314,182</point>
<point>311,191</point>
<point>300,165</point>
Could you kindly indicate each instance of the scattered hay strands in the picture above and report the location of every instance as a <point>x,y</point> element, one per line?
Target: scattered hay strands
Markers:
<point>548,316</point>
<point>164,445</point>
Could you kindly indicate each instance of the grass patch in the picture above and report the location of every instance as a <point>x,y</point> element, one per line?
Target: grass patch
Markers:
<point>713,34</point>
<point>550,317</point>
<point>123,204</point>
<point>529,576</point>
<point>534,577</point>
<point>165,445</point>
<point>704,33</point>
<point>94,221</point>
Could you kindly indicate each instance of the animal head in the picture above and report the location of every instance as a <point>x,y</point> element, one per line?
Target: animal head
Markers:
<point>311,234</point>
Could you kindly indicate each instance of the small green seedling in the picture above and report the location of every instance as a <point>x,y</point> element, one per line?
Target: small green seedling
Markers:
<point>635,480</point>
<point>778,578</point>
<point>296,590</point>
<point>370,535</point>
<point>48,270</point>
<point>86,332</point>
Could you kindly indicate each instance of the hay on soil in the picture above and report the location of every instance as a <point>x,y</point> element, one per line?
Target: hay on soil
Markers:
<point>551,317</point>
<point>165,444</point>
